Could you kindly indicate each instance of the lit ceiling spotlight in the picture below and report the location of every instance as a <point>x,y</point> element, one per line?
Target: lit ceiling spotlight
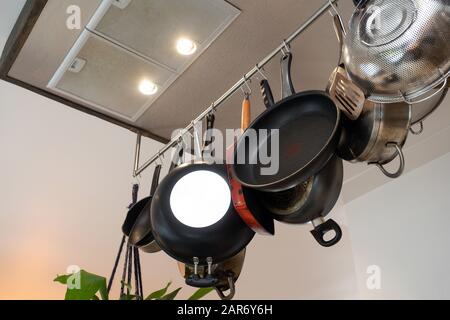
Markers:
<point>148,88</point>
<point>186,47</point>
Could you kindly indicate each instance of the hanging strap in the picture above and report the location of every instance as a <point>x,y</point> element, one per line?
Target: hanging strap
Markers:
<point>210,119</point>
<point>124,272</point>
<point>116,263</point>
<point>177,156</point>
<point>134,196</point>
<point>138,275</point>
<point>155,180</point>
<point>129,268</point>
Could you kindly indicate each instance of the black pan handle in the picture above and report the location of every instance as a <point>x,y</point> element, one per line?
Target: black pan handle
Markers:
<point>207,282</point>
<point>210,120</point>
<point>287,88</point>
<point>178,154</point>
<point>359,2</point>
<point>232,292</point>
<point>320,231</point>
<point>155,180</point>
<point>266,93</point>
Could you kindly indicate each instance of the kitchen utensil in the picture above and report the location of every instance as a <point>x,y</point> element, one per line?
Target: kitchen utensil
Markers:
<point>224,275</point>
<point>192,216</point>
<point>132,214</point>
<point>397,51</point>
<point>311,201</point>
<point>347,95</point>
<point>197,224</point>
<point>308,124</point>
<point>131,256</point>
<point>377,136</point>
<point>420,111</point>
<point>244,199</point>
<point>141,234</point>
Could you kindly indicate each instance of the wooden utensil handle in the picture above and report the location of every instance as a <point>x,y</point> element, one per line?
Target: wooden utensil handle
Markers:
<point>246,114</point>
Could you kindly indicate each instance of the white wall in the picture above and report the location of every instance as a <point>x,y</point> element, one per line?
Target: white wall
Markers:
<point>403,227</point>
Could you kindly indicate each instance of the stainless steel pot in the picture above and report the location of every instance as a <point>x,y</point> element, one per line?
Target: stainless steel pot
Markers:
<point>379,132</point>
<point>377,137</point>
<point>421,111</point>
<point>398,50</point>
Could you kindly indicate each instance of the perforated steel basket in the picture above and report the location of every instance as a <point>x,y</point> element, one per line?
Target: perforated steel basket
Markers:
<point>398,50</point>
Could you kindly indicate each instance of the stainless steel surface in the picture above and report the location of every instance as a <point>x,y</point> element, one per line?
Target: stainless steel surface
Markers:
<point>398,50</point>
<point>137,152</point>
<point>237,85</point>
<point>347,95</point>
<point>421,110</point>
<point>401,167</point>
<point>392,126</point>
<point>317,222</point>
<point>372,137</point>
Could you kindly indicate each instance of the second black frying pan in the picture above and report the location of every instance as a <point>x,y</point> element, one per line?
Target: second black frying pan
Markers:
<point>309,129</point>
<point>140,234</point>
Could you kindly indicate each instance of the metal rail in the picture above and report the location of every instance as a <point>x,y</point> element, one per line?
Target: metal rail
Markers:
<point>138,170</point>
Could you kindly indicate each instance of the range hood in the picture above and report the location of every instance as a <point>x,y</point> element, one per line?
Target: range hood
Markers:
<point>127,42</point>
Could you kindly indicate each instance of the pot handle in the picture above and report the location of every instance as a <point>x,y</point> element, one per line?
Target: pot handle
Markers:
<point>206,282</point>
<point>177,156</point>
<point>287,88</point>
<point>401,168</point>
<point>232,292</point>
<point>321,229</point>
<point>411,102</point>
<point>417,132</point>
<point>266,93</point>
<point>155,180</point>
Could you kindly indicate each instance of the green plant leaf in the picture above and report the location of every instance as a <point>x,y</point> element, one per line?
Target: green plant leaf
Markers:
<point>85,286</point>
<point>61,279</point>
<point>158,294</point>
<point>172,295</point>
<point>200,293</point>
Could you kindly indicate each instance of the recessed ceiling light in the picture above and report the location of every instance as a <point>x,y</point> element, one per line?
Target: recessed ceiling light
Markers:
<point>148,88</point>
<point>186,47</point>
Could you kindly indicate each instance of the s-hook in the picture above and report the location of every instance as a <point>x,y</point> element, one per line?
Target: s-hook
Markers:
<point>286,49</point>
<point>248,93</point>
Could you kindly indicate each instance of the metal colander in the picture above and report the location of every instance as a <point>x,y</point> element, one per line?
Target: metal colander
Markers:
<point>398,50</point>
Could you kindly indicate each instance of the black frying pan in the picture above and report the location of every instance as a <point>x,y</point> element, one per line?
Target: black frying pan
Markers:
<point>141,234</point>
<point>219,241</point>
<point>311,200</point>
<point>309,129</point>
<point>133,213</point>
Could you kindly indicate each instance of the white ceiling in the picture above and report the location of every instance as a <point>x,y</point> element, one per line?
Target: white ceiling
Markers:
<point>8,16</point>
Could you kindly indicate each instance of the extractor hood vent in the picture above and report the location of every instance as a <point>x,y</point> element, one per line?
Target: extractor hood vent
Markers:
<point>128,42</point>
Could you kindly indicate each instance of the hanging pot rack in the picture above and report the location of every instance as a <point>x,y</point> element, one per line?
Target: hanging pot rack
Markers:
<point>138,169</point>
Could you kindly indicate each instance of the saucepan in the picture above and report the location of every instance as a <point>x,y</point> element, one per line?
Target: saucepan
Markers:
<point>378,134</point>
